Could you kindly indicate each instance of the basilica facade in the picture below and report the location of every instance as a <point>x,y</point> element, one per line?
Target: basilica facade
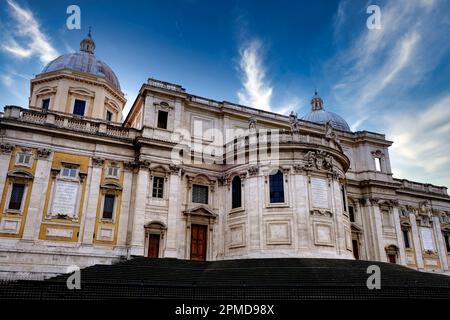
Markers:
<point>188,177</point>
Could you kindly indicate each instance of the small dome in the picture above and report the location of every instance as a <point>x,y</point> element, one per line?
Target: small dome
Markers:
<point>84,61</point>
<point>319,115</point>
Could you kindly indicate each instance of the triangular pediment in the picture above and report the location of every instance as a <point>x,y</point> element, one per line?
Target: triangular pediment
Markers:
<point>201,210</point>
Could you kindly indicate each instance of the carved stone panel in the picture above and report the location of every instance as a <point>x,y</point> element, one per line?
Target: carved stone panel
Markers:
<point>319,193</point>
<point>323,233</point>
<point>278,232</point>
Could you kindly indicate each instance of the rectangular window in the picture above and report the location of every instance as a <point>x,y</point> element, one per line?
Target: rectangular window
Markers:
<point>158,187</point>
<point>113,171</point>
<point>68,172</point>
<point>377,164</point>
<point>78,107</point>
<point>199,194</point>
<point>344,202</point>
<point>447,242</point>
<point>236,193</point>
<point>276,186</point>
<point>23,159</point>
<point>351,213</point>
<point>108,206</point>
<point>406,238</point>
<point>15,201</point>
<point>162,119</point>
<point>45,104</point>
<point>109,116</point>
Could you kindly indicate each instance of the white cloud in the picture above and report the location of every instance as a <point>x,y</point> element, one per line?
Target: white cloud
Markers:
<point>382,77</point>
<point>25,38</point>
<point>421,144</point>
<point>397,55</point>
<point>256,91</point>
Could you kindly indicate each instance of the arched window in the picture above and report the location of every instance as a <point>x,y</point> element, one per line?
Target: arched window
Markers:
<point>236,193</point>
<point>276,187</point>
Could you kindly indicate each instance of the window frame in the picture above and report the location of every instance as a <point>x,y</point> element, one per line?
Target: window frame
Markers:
<point>279,173</point>
<point>159,112</point>
<point>233,206</point>
<point>351,213</point>
<point>109,167</point>
<point>48,104</point>
<point>194,185</point>
<point>110,118</point>
<point>74,105</point>
<point>154,179</point>
<point>406,238</point>
<point>28,154</point>
<point>377,163</point>
<point>69,167</point>
<point>109,195</point>
<point>9,195</point>
<point>446,236</point>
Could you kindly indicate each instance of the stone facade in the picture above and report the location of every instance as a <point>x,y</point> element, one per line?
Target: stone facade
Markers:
<point>189,177</point>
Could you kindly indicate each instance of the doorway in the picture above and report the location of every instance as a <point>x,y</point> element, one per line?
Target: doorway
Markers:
<point>153,245</point>
<point>392,258</point>
<point>198,242</point>
<point>355,249</point>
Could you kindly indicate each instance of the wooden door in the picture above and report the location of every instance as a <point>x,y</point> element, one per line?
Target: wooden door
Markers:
<point>355,249</point>
<point>198,242</point>
<point>153,245</point>
<point>392,258</point>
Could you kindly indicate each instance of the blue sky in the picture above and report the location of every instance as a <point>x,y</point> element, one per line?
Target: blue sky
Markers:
<point>266,54</point>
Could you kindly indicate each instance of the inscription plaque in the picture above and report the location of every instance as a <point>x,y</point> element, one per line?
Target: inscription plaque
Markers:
<point>427,238</point>
<point>319,193</point>
<point>64,200</point>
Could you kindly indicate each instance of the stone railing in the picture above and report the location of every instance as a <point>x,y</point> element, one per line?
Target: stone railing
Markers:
<point>208,102</point>
<point>165,85</point>
<point>69,121</point>
<point>424,187</point>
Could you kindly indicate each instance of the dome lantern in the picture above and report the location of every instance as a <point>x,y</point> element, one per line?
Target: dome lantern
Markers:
<point>87,44</point>
<point>316,102</point>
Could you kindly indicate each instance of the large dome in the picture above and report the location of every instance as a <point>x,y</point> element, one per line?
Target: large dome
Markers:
<point>84,61</point>
<point>319,115</point>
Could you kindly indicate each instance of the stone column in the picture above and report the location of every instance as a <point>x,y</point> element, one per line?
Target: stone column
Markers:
<point>127,189</point>
<point>174,213</point>
<point>442,251</point>
<point>141,192</point>
<point>254,200</point>
<point>38,193</point>
<point>92,192</point>
<point>374,217</point>
<point>5,158</point>
<point>338,209</point>
<point>416,241</point>
<point>400,241</point>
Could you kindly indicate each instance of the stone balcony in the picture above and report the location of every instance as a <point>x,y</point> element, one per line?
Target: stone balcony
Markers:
<point>69,121</point>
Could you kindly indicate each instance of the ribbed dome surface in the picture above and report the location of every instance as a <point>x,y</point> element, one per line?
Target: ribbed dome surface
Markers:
<point>319,115</point>
<point>323,116</point>
<point>83,62</point>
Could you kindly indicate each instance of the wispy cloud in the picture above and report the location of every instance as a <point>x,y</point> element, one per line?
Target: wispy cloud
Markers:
<point>421,141</point>
<point>256,91</point>
<point>398,54</point>
<point>378,75</point>
<point>25,39</point>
